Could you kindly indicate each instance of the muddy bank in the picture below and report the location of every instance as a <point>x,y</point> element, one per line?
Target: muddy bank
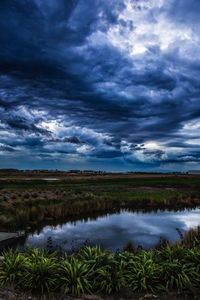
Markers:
<point>11,293</point>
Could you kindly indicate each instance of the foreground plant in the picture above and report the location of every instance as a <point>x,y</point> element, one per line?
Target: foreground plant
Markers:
<point>93,270</point>
<point>40,276</point>
<point>107,271</point>
<point>175,252</point>
<point>109,278</point>
<point>40,271</point>
<point>176,275</point>
<point>143,273</point>
<point>193,258</point>
<point>74,276</point>
<point>12,267</point>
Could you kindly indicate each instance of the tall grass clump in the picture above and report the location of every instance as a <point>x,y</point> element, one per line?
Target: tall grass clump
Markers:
<point>74,276</point>
<point>191,237</point>
<point>106,271</point>
<point>177,275</point>
<point>143,272</point>
<point>40,274</point>
<point>12,267</point>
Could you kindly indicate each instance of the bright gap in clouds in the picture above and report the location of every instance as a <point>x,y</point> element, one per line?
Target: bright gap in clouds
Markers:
<point>148,27</point>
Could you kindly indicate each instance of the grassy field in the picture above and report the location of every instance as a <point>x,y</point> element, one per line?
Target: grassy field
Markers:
<point>26,203</point>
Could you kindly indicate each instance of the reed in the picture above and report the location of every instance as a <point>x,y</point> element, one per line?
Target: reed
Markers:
<point>191,237</point>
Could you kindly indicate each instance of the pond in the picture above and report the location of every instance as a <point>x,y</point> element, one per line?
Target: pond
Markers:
<point>46,178</point>
<point>49,178</point>
<point>113,231</point>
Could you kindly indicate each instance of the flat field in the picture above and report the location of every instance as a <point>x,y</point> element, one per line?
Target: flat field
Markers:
<point>27,200</point>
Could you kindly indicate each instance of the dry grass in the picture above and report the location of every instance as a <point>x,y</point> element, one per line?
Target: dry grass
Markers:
<point>191,236</point>
<point>27,203</point>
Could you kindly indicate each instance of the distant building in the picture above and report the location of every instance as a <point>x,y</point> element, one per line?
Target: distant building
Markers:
<point>194,172</point>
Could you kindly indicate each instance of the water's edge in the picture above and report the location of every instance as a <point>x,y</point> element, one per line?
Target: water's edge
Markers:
<point>115,230</point>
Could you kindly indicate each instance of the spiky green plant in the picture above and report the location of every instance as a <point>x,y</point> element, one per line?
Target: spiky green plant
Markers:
<point>175,252</point>
<point>143,273</point>
<point>36,254</point>
<point>94,257</point>
<point>74,276</point>
<point>109,278</point>
<point>12,267</point>
<point>193,258</point>
<point>127,256</point>
<point>40,274</point>
<point>106,270</point>
<point>93,270</point>
<point>90,255</point>
<point>193,255</point>
<point>177,275</point>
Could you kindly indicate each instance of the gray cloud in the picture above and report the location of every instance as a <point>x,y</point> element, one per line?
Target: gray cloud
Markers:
<point>65,81</point>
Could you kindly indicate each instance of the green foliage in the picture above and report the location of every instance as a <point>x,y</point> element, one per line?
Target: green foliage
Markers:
<point>40,270</point>
<point>175,275</point>
<point>109,278</point>
<point>193,255</point>
<point>90,254</point>
<point>143,273</point>
<point>74,276</point>
<point>107,271</point>
<point>175,252</point>
<point>36,254</point>
<point>12,267</point>
<point>193,258</point>
<point>40,201</point>
<point>93,270</point>
<point>40,274</point>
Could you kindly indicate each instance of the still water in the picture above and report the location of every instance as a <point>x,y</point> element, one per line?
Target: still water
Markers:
<point>50,179</point>
<point>115,230</point>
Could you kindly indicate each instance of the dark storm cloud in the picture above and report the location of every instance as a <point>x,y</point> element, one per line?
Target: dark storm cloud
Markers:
<point>107,154</point>
<point>19,123</point>
<point>27,142</point>
<point>156,153</point>
<point>57,63</point>
<point>71,139</point>
<point>7,149</point>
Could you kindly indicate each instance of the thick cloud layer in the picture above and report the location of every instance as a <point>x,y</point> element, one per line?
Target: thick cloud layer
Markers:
<point>100,84</point>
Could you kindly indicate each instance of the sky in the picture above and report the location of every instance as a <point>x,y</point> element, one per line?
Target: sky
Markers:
<point>97,84</point>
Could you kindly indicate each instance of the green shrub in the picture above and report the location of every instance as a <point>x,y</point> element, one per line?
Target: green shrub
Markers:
<point>93,270</point>
<point>12,267</point>
<point>107,272</point>
<point>74,276</point>
<point>193,258</point>
<point>109,278</point>
<point>40,275</point>
<point>176,275</point>
<point>175,252</point>
<point>143,273</point>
